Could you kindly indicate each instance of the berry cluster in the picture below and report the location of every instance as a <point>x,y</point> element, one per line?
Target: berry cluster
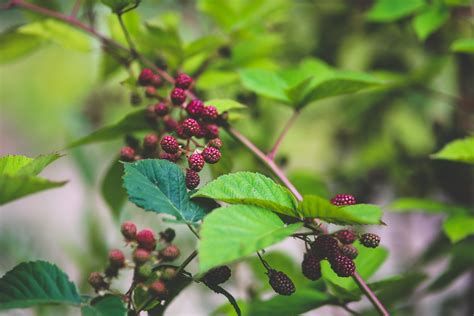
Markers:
<point>183,131</point>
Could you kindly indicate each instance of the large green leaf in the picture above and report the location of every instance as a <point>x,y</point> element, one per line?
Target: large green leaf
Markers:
<point>16,45</point>
<point>231,233</point>
<point>314,206</point>
<point>36,283</point>
<point>458,227</point>
<point>463,45</point>
<point>159,186</point>
<point>461,150</point>
<point>425,205</point>
<point>431,19</point>
<point>265,83</point>
<point>250,188</point>
<point>112,190</point>
<point>390,10</point>
<point>107,305</point>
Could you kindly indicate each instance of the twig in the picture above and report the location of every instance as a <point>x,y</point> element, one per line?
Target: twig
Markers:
<point>186,262</point>
<point>350,310</point>
<point>193,231</point>
<point>271,155</point>
<point>127,37</point>
<point>370,294</point>
<point>230,298</point>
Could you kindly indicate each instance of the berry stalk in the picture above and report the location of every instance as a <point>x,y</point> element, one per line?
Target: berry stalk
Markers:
<point>271,155</point>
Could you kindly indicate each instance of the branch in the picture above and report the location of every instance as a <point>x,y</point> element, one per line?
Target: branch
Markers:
<point>271,155</point>
<point>186,262</point>
<point>232,301</point>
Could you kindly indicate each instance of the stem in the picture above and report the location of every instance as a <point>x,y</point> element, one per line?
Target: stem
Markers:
<point>286,128</point>
<point>76,8</point>
<point>370,294</point>
<point>186,262</point>
<point>127,36</point>
<point>193,231</point>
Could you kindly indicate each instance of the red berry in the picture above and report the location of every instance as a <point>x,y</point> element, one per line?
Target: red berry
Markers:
<point>217,275</point>
<point>146,239</point>
<point>169,253</point>
<point>346,236</point>
<point>150,91</point>
<point>140,256</point>
<point>169,144</point>
<point>211,155</point>
<point>181,133</point>
<point>192,179</point>
<point>150,141</point>
<point>183,81</point>
<point>178,96</point>
<point>311,266</point>
<point>146,77</point>
<point>212,131</point>
<point>127,153</point>
<point>195,108</point>
<point>129,230</point>
<point>210,113</point>
<point>342,265</point>
<point>156,81</point>
<point>161,109</point>
<point>343,199</point>
<point>216,143</point>
<point>191,127</point>
<point>196,162</point>
<point>116,258</point>
<point>170,157</point>
<point>325,246</point>
<point>158,289</point>
<point>370,240</point>
<point>170,124</point>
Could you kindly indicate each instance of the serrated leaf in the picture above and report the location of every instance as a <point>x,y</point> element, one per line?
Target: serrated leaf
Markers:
<point>461,150</point>
<point>112,190</point>
<point>314,206</point>
<point>458,227</point>
<point>159,186</point>
<point>234,232</point>
<point>265,82</point>
<point>463,45</point>
<point>118,6</point>
<point>425,205</point>
<point>36,283</point>
<point>389,10</point>
<point>226,105</point>
<point>107,305</point>
<point>431,19</point>
<point>16,45</point>
<point>250,188</point>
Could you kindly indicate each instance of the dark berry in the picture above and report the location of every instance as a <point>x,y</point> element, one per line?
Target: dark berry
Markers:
<point>211,155</point>
<point>150,142</point>
<point>170,124</point>
<point>178,96</point>
<point>349,251</point>
<point>343,199</point>
<point>158,289</point>
<point>217,275</point>
<point>129,230</point>
<point>146,239</point>
<point>280,282</point>
<point>96,280</point>
<point>311,266</point>
<point>212,131</point>
<point>196,162</point>
<point>325,246</point>
<point>150,92</point>
<point>370,240</point>
<point>216,143</point>
<point>111,272</point>
<point>140,256</point>
<point>135,99</point>
<point>342,265</point>
<point>170,157</point>
<point>346,236</point>
<point>127,153</point>
<point>183,81</point>
<point>192,179</point>
<point>116,258</point>
<point>191,127</point>
<point>209,113</point>
<point>156,81</point>
<point>169,144</point>
<point>181,133</point>
<point>167,235</point>
<point>195,108</point>
<point>146,77</point>
<point>169,253</point>
<point>161,109</point>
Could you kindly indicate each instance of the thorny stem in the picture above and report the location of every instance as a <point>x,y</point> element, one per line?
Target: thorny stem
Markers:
<point>271,155</point>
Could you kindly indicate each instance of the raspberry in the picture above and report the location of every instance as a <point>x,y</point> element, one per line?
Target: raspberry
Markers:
<point>167,235</point>
<point>209,113</point>
<point>150,142</point>
<point>170,124</point>
<point>349,251</point>
<point>156,81</point>
<point>135,99</point>
<point>216,143</point>
<point>169,253</point>
<point>191,127</point>
<point>280,282</point>
<point>325,246</point>
<point>170,157</point>
<point>96,280</point>
<point>178,96</point>
<point>342,265</point>
<point>150,92</point>
<point>146,76</point>
<point>195,108</point>
<point>192,179</point>
<point>311,266</point>
<point>196,162</point>
<point>140,256</point>
<point>211,155</point>
<point>146,239</point>
<point>169,144</point>
<point>158,289</point>
<point>183,81</point>
<point>346,236</point>
<point>161,109</point>
<point>116,258</point>
<point>370,240</point>
<point>129,230</point>
<point>343,199</point>
<point>212,131</point>
<point>217,275</point>
<point>127,153</point>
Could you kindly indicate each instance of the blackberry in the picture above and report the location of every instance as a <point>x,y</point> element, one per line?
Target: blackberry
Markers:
<point>158,289</point>
<point>325,246</point>
<point>342,265</point>
<point>169,144</point>
<point>111,272</point>
<point>161,109</point>
<point>195,108</point>
<point>280,282</point>
<point>349,251</point>
<point>140,256</point>
<point>217,275</point>
<point>116,258</point>
<point>209,113</point>
<point>346,236</point>
<point>167,235</point>
<point>146,76</point>
<point>370,240</point>
<point>146,239</point>
<point>181,133</point>
<point>196,162</point>
<point>150,142</point>
<point>127,153</point>
<point>216,143</point>
<point>212,131</point>
<point>311,266</point>
<point>191,127</point>
<point>343,199</point>
<point>192,179</point>
<point>156,81</point>
<point>129,230</point>
<point>183,81</point>
<point>178,96</point>
<point>169,253</point>
<point>170,123</point>
<point>150,92</point>
<point>97,281</point>
<point>211,155</point>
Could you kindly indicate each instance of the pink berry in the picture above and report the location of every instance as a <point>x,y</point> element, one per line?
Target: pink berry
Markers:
<point>191,127</point>
<point>127,153</point>
<point>146,239</point>
<point>129,230</point>
<point>343,199</point>
<point>210,113</point>
<point>195,108</point>
<point>178,96</point>
<point>211,155</point>
<point>196,162</point>
<point>183,81</point>
<point>192,179</point>
<point>116,258</point>
<point>160,109</point>
<point>146,76</point>
<point>150,142</point>
<point>169,144</point>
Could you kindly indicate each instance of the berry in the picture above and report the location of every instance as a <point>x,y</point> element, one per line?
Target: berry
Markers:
<point>170,123</point>
<point>146,239</point>
<point>116,258</point>
<point>158,289</point>
<point>150,92</point>
<point>180,132</point>
<point>192,179</point>
<point>216,143</point>
<point>156,81</point>
<point>127,153</point>
<point>346,236</point>
<point>169,253</point>
<point>140,256</point>
<point>143,272</point>
<point>135,99</point>
<point>211,155</point>
<point>178,96</point>
<point>209,113</point>
<point>111,272</point>
<point>170,157</point>
<point>325,246</point>
<point>370,240</point>
<point>150,142</point>
<point>129,230</point>
<point>280,282</point>
<point>167,235</point>
<point>183,81</point>
<point>311,266</point>
<point>212,131</point>
<point>195,108</point>
<point>343,199</point>
<point>146,76</point>
<point>169,144</point>
<point>161,109</point>
<point>191,127</point>
<point>342,265</point>
<point>349,251</point>
<point>217,275</point>
<point>168,273</point>
<point>96,280</point>
<point>196,162</point>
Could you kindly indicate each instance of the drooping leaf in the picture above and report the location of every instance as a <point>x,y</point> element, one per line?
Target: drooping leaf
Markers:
<point>234,232</point>
<point>425,205</point>
<point>36,283</point>
<point>250,188</point>
<point>461,150</point>
<point>112,190</point>
<point>107,305</point>
<point>431,19</point>
<point>16,45</point>
<point>314,206</point>
<point>118,6</point>
<point>458,227</point>
<point>389,10</point>
<point>463,45</point>
<point>159,186</point>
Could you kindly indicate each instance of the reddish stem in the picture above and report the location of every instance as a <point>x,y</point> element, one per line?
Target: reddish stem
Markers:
<point>76,8</point>
<point>271,155</point>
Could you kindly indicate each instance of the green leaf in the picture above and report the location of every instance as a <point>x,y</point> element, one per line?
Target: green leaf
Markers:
<point>265,83</point>
<point>463,45</point>
<point>118,6</point>
<point>226,105</point>
<point>112,190</point>
<point>431,19</point>
<point>425,205</point>
<point>207,44</point>
<point>461,150</point>
<point>133,122</point>
<point>390,10</point>
<point>314,206</point>
<point>458,227</point>
<point>22,165</point>
<point>231,233</point>
<point>159,186</point>
<point>16,45</point>
<point>250,188</point>
<point>36,283</point>
<point>107,305</point>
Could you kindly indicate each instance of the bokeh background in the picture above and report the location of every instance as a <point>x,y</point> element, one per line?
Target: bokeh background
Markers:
<point>374,144</point>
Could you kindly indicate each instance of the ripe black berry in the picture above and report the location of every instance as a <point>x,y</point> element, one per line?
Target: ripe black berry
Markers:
<point>325,246</point>
<point>342,265</point>
<point>161,109</point>
<point>195,108</point>
<point>178,96</point>
<point>216,143</point>
<point>370,240</point>
<point>183,81</point>
<point>217,275</point>
<point>280,282</point>
<point>346,236</point>
<point>167,235</point>
<point>150,142</point>
<point>146,76</point>
<point>311,266</point>
<point>196,162</point>
<point>191,127</point>
<point>135,99</point>
<point>127,153</point>
<point>169,144</point>
<point>343,199</point>
<point>192,179</point>
<point>211,155</point>
<point>209,113</point>
<point>349,251</point>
